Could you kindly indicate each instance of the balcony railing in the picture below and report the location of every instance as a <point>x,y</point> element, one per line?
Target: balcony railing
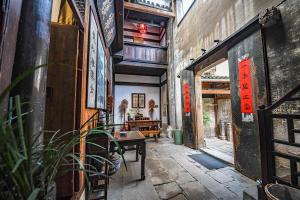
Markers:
<point>145,53</point>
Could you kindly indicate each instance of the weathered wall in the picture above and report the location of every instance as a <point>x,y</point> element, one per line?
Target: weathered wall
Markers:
<point>206,21</point>
<point>283,46</point>
<point>188,119</point>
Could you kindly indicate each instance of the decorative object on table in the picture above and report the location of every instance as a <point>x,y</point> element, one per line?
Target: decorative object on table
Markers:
<point>123,133</point>
<point>122,108</point>
<point>151,108</point>
<point>128,116</point>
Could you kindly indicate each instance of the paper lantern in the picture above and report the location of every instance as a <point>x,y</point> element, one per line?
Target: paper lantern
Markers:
<point>143,28</point>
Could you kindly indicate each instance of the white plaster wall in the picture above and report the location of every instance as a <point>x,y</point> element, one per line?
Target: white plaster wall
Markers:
<point>222,69</point>
<point>55,10</point>
<point>124,92</point>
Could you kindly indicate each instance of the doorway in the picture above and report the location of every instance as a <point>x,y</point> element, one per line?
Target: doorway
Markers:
<point>216,110</point>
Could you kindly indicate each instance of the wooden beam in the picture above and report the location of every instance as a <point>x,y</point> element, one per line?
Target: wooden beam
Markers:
<point>149,10</point>
<point>144,36</point>
<point>215,91</point>
<point>140,64</point>
<point>216,80</point>
<point>117,44</point>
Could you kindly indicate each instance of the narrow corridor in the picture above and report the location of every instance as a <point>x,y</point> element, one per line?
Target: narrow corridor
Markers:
<point>172,174</point>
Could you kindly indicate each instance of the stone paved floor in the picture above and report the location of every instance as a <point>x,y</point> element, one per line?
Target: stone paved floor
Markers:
<point>223,146</point>
<point>222,149</point>
<point>171,174</point>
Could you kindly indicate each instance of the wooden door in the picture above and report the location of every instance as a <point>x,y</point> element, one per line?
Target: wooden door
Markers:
<point>61,91</point>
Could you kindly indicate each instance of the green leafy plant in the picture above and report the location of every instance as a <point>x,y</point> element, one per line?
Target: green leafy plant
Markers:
<point>29,164</point>
<point>206,118</point>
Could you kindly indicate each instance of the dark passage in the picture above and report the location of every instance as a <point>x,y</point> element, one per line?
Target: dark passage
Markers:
<point>208,161</point>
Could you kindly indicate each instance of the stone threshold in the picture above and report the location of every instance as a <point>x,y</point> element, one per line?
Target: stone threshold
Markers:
<point>219,155</point>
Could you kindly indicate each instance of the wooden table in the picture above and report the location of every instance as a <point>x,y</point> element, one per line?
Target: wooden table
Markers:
<point>133,141</point>
<point>145,123</point>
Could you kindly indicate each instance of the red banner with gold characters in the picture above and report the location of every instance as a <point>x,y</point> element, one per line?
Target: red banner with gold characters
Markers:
<point>245,86</point>
<point>186,97</point>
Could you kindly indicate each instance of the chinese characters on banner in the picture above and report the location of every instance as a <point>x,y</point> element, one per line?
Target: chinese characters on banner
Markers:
<point>92,70</point>
<point>245,86</point>
<point>186,97</point>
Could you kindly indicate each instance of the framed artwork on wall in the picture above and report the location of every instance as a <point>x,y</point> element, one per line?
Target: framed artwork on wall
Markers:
<point>141,100</point>
<point>100,75</point>
<point>138,100</point>
<point>134,100</point>
<point>92,63</point>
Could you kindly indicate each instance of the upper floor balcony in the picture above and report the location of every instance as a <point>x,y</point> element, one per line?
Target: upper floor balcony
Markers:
<point>145,53</point>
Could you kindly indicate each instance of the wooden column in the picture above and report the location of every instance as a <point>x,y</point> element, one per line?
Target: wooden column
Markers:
<point>199,111</point>
<point>8,37</point>
<point>32,50</point>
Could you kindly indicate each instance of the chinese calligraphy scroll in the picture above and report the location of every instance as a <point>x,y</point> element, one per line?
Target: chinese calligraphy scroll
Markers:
<point>106,10</point>
<point>92,59</point>
<point>100,76</point>
<point>245,86</point>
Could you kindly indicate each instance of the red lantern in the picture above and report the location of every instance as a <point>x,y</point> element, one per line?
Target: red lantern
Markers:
<point>143,28</point>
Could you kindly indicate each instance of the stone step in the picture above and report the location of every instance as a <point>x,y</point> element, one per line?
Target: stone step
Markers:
<point>219,155</point>
<point>250,193</point>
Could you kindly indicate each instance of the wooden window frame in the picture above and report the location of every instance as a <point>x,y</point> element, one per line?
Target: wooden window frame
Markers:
<point>138,100</point>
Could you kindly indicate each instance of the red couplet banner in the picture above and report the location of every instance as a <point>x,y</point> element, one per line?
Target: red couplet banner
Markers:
<point>186,96</point>
<point>245,86</point>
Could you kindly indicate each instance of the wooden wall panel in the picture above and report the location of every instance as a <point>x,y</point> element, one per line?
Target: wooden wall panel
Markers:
<point>61,84</point>
<point>145,54</point>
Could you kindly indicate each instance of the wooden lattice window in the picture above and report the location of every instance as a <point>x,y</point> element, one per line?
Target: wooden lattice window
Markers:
<point>138,100</point>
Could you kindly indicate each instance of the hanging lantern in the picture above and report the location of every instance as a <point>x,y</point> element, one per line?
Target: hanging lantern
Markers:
<point>143,28</point>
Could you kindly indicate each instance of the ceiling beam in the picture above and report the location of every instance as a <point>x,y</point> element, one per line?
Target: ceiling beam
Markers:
<point>216,80</point>
<point>149,10</point>
<point>215,91</point>
<point>139,64</point>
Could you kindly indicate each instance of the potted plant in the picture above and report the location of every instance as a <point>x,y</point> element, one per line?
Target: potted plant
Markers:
<point>29,165</point>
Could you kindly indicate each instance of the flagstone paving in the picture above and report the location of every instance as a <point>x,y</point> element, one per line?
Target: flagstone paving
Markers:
<point>171,174</point>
